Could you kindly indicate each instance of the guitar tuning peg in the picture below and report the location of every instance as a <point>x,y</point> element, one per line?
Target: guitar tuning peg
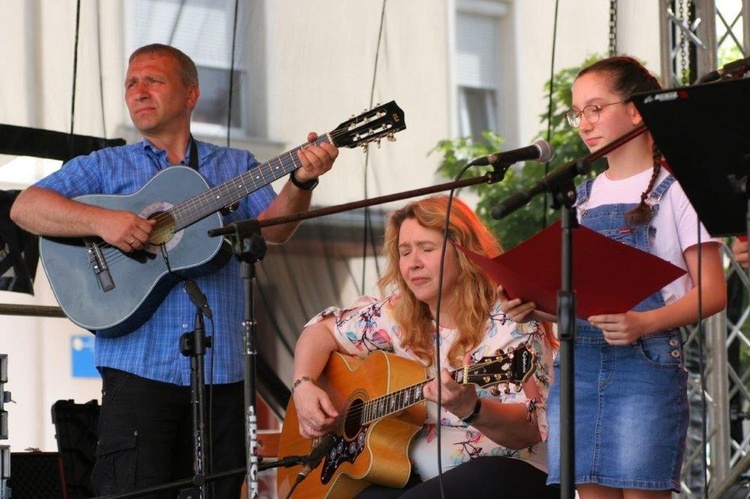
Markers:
<point>390,137</point>
<point>378,143</point>
<point>364,148</point>
<point>495,392</point>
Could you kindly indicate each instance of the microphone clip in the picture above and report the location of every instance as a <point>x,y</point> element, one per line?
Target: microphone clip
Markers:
<point>497,174</point>
<point>198,298</point>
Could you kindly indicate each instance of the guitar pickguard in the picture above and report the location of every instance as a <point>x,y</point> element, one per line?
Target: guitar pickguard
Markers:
<point>344,451</point>
<point>382,409</point>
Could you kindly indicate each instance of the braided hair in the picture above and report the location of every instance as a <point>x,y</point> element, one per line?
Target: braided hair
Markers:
<point>627,77</point>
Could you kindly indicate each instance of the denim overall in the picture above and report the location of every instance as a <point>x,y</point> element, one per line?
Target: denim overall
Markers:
<point>631,410</point>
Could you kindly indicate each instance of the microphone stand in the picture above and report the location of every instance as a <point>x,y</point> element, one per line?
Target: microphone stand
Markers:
<point>286,462</point>
<point>249,247</point>
<point>489,178</point>
<point>560,184</point>
<point>194,344</point>
<point>564,198</point>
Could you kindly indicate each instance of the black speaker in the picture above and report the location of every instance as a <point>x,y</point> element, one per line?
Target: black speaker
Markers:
<point>36,474</point>
<point>76,434</point>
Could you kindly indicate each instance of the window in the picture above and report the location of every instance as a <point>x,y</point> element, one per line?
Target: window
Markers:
<point>212,110</point>
<point>203,30</point>
<point>481,100</point>
<point>477,111</point>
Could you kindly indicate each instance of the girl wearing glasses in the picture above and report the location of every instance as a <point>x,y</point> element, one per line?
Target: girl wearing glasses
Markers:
<point>631,409</point>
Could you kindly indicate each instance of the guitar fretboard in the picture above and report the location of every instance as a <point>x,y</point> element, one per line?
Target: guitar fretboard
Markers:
<point>399,400</point>
<point>216,198</point>
<point>381,407</point>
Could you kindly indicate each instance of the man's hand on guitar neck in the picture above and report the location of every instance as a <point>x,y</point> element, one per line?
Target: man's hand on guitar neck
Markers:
<point>315,411</point>
<point>315,160</point>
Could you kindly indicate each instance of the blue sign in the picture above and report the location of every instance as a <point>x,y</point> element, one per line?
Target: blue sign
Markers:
<point>82,356</point>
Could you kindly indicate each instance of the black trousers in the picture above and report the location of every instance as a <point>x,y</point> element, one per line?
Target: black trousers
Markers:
<point>146,435</point>
<point>490,477</point>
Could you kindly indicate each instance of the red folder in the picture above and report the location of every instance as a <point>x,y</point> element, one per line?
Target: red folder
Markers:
<point>609,277</point>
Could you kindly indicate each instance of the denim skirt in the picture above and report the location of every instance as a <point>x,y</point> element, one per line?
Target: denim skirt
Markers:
<point>631,412</point>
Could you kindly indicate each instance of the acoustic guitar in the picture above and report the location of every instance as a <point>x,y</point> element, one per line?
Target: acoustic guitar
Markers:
<point>381,409</point>
<point>111,293</point>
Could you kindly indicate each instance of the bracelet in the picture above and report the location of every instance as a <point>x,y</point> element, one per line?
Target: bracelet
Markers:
<point>474,414</point>
<point>300,380</point>
<point>307,185</point>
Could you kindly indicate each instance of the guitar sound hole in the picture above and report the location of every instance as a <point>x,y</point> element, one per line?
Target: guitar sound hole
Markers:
<point>353,419</point>
<point>163,230</point>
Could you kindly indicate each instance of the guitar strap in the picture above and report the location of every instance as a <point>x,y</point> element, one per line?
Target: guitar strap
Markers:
<point>193,163</point>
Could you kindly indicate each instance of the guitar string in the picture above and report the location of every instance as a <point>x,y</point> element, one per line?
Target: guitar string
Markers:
<point>208,198</point>
<point>376,405</point>
<point>371,405</point>
<point>289,163</point>
<point>115,255</point>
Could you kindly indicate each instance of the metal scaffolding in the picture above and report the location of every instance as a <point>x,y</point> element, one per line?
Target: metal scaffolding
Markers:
<point>697,37</point>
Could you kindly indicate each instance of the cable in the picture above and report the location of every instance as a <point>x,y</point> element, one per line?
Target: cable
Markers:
<point>75,73</point>
<point>209,425</point>
<point>231,72</point>
<point>176,22</point>
<point>550,106</point>
<point>368,221</point>
<point>101,64</point>
<point>702,367</point>
<point>439,425</point>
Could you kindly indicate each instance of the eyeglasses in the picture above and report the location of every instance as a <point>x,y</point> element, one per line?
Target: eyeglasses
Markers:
<point>591,112</point>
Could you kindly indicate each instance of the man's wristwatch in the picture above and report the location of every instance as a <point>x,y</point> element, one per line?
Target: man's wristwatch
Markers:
<point>305,186</point>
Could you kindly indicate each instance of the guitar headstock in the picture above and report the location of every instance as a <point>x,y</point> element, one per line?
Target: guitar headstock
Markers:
<point>513,366</point>
<point>371,126</point>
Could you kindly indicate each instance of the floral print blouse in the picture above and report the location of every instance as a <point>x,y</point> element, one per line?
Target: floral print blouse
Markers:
<point>367,326</point>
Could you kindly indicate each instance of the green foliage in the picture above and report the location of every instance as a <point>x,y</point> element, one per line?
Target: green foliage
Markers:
<point>728,53</point>
<point>533,217</point>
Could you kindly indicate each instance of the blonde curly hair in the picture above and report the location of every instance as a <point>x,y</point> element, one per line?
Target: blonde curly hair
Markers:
<point>474,293</point>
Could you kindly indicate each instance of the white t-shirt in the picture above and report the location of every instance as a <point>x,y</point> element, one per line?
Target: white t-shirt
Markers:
<point>675,224</point>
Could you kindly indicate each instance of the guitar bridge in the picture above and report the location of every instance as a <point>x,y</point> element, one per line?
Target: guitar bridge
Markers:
<point>99,265</point>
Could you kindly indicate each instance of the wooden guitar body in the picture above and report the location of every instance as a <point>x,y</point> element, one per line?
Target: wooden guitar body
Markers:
<point>374,452</point>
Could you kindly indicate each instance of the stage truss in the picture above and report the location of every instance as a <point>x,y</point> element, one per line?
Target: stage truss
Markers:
<point>696,35</point>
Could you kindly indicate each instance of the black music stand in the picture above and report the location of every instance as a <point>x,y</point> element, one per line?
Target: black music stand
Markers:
<point>704,133</point>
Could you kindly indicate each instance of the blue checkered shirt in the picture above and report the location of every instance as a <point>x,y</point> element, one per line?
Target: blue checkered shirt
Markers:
<point>153,350</point>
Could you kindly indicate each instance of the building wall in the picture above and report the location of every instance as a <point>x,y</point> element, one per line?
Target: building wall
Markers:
<point>317,66</point>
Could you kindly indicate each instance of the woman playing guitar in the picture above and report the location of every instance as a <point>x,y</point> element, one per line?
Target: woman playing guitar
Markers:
<point>492,441</point>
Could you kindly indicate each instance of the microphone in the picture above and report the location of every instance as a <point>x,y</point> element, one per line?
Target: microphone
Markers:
<point>729,70</point>
<point>313,459</point>
<point>198,298</point>
<point>553,180</point>
<point>541,151</point>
